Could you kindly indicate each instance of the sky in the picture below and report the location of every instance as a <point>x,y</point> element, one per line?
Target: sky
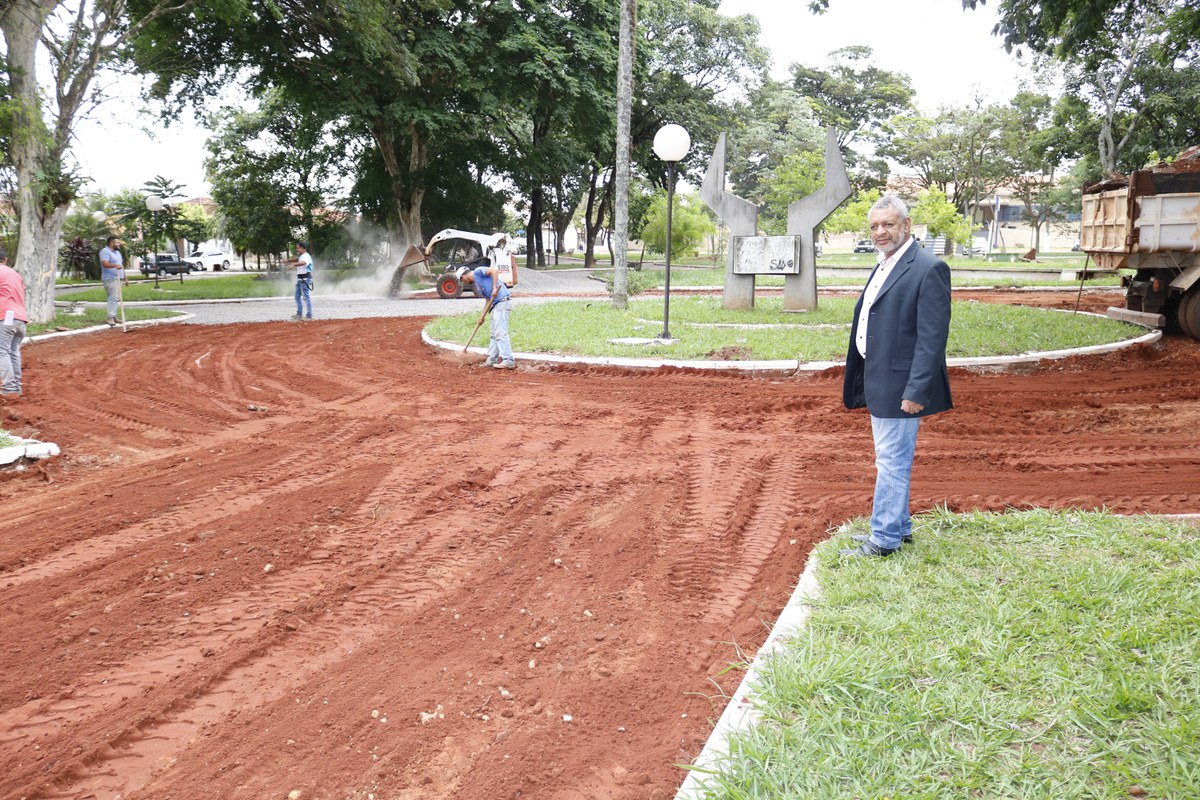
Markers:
<point>949,54</point>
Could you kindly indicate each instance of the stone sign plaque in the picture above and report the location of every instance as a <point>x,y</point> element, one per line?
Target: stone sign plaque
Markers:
<point>766,255</point>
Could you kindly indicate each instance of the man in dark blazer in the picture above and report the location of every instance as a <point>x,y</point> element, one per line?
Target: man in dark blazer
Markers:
<point>896,365</point>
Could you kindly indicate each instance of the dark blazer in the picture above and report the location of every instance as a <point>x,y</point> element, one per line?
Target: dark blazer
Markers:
<point>906,341</point>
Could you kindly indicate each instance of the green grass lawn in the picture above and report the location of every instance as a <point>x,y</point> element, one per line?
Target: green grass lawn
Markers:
<point>1027,655</point>
<point>585,328</point>
<point>171,288</point>
<point>94,316</point>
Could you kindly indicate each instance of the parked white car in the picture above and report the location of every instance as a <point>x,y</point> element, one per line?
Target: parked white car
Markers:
<point>216,260</point>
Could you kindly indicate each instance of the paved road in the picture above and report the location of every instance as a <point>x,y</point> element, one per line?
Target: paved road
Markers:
<point>533,286</point>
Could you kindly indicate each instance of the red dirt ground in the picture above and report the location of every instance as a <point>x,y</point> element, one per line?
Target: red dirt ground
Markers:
<point>322,558</point>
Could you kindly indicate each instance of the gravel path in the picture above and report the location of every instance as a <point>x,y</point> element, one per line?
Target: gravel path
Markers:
<point>533,286</point>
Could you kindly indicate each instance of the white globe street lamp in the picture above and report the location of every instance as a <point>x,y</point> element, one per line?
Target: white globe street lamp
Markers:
<point>154,203</point>
<point>99,216</point>
<point>671,144</point>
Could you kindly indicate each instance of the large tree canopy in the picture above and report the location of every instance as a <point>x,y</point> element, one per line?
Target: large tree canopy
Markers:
<point>853,96</point>
<point>1085,29</point>
<point>402,73</point>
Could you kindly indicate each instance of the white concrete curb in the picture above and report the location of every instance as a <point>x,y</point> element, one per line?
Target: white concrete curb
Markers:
<point>740,712</point>
<point>646,363</point>
<point>141,323</point>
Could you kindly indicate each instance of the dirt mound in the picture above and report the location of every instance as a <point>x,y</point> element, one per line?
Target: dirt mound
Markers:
<point>322,558</point>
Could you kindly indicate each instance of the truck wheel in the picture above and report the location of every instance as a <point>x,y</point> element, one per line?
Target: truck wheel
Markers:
<point>448,287</point>
<point>1188,314</point>
<point>224,266</point>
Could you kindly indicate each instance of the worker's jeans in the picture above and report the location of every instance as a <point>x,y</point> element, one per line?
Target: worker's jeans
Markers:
<point>10,356</point>
<point>895,445</point>
<point>500,348</point>
<point>304,294</point>
<point>112,288</point>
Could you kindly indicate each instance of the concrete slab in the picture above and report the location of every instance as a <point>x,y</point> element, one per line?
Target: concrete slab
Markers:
<point>27,448</point>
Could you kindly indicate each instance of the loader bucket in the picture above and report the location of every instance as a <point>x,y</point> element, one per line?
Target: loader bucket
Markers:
<point>414,255</point>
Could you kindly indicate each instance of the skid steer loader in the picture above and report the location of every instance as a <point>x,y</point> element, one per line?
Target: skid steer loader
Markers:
<point>451,253</point>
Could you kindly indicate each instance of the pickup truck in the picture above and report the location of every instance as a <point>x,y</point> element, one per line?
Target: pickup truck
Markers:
<point>165,264</point>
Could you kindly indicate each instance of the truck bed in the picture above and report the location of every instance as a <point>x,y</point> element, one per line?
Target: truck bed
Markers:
<point>1156,212</point>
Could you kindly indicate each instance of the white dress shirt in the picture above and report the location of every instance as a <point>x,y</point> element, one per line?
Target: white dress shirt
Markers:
<point>882,271</point>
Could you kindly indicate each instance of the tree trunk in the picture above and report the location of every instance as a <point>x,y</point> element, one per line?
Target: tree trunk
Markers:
<point>620,238</point>
<point>560,236</point>
<point>40,213</point>
<point>535,249</point>
<point>598,202</point>
<point>406,227</point>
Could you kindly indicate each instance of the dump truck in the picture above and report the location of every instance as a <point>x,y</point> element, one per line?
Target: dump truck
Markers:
<point>462,251</point>
<point>1149,223</point>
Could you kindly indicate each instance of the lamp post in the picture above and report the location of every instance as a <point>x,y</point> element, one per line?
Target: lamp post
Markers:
<point>154,204</point>
<point>671,144</point>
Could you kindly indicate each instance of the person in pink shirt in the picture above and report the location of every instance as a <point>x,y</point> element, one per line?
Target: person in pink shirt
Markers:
<point>12,328</point>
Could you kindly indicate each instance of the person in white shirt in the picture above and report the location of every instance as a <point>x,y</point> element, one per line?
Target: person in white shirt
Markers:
<point>304,281</point>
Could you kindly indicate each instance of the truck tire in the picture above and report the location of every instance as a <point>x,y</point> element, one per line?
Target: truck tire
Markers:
<point>1188,314</point>
<point>449,287</point>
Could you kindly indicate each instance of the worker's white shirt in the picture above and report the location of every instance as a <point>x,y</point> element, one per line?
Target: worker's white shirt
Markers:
<point>872,292</point>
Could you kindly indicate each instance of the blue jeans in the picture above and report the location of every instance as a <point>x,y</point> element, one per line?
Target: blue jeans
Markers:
<point>895,445</point>
<point>10,356</point>
<point>303,294</point>
<point>500,347</point>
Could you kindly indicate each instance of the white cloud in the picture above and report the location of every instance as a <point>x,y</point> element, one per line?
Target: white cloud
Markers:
<point>948,52</point>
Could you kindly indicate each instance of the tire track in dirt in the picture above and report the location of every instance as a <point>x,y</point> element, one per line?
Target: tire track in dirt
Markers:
<point>425,561</point>
<point>198,511</point>
<point>476,557</point>
<point>756,535</point>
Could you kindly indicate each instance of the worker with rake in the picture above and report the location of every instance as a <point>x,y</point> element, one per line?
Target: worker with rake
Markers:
<point>491,286</point>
